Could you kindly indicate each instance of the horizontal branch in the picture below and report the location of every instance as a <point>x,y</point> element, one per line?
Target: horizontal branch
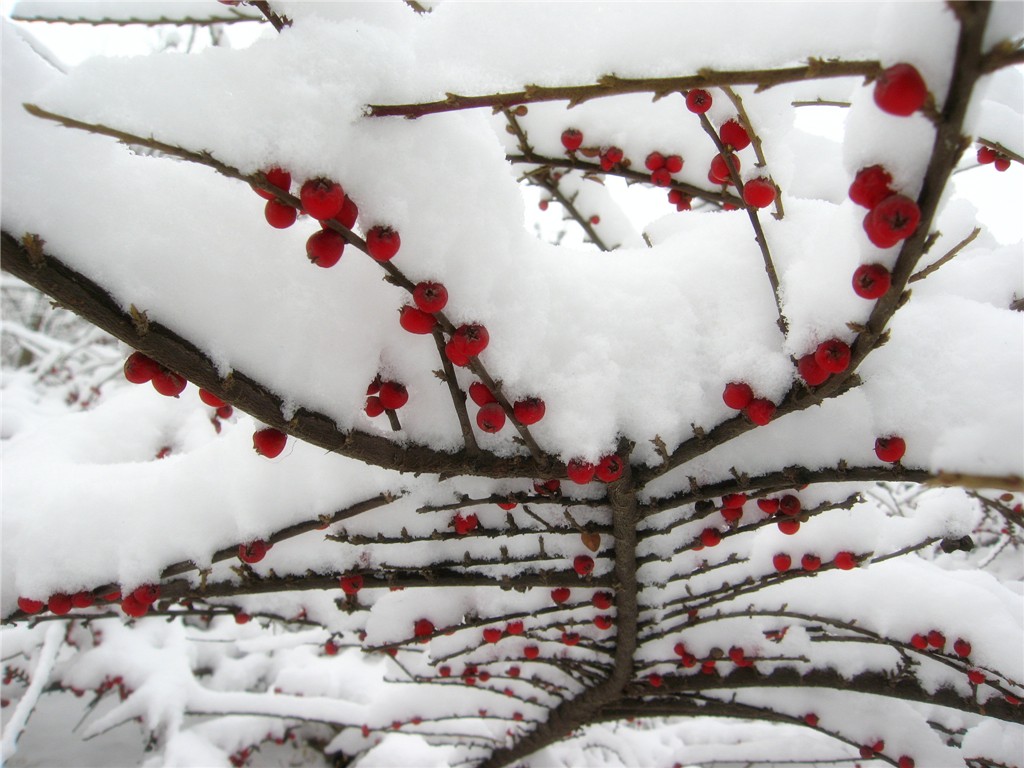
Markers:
<point>87,299</point>
<point>610,85</point>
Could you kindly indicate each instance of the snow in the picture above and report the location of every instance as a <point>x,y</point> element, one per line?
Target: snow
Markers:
<point>635,343</point>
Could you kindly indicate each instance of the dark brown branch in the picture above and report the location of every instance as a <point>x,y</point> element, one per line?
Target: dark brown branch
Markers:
<point>922,274</point>
<point>279,22</point>
<point>458,397</point>
<point>611,85</point>
<point>80,294</point>
<point>178,21</point>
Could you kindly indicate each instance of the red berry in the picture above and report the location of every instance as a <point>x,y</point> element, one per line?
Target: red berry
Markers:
<point>710,537</point>
<point>871,186</point>
<point>490,418</point>
<point>894,219</point>
<point>673,163</point>
<point>936,639</point>
<point>680,200</point>
<point>614,155</point>
<point>602,600</point>
<point>734,500</point>
<point>905,761</point>
<point>382,243</point>
<point>810,562</point>
<point>348,214</point>
<point>134,607</point>
<point>583,565</point>
<point>737,395</point>
<point>531,652</point>
<point>492,635</point>
<point>28,605</point>
<point>654,679</point>
<point>140,368</point>
<point>661,177</point>
<point>324,248</point>
<point>768,506</point>
<point>242,618</point>
<point>465,524</point>
<point>430,297</point>
<point>845,561</point>
<point>529,411</point>
<point>1002,163</point>
<point>759,193</point>
<point>871,281</point>
<point>543,204</point>
<point>719,173</point>
<point>322,198</point>
<point>211,399</point>
<point>168,383</point>
<point>698,101</point>
<point>279,215</point>
<point>900,90</point>
<point>480,394</point>
<point>269,442</point>
<point>579,471</point>
<point>654,161</point>
<point>782,562</point>
<point>789,527</point>
<point>570,638</point>
<point>415,320</point>
<point>560,595</point>
<point>279,178</point>
<point>548,487</point>
<point>919,641</point>
<point>470,340</point>
<point>961,647</point>
<point>735,135</point>
<point>812,373</point>
<point>225,412</point>
<point>59,604</point>
<point>572,139</point>
<point>890,449</point>
<point>253,552</point>
<point>351,583</point>
<point>373,408</point>
<point>833,355</point>
<point>423,628</point>
<point>760,411</point>
<point>82,600</point>
<point>331,648</point>
<point>811,719</point>
<point>603,622</point>
<point>455,353</point>
<point>976,676</point>
<point>514,628</point>
<point>790,505</point>
<point>732,514</point>
<point>147,593</point>
<point>393,395</point>
<point>986,155</point>
<point>610,468</point>
<point>595,219</point>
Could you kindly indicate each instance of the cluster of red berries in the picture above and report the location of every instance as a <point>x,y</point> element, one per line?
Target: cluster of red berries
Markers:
<point>607,470</point>
<point>384,396</point>
<point>351,583</point>
<point>989,156</point>
<point>891,217</point>
<point>135,604</point>
<point>662,167</point>
<point>810,562</point>
<point>740,397</point>
<point>491,416</point>
<point>689,660</point>
<point>832,356</point>
<point>140,368</point>
<point>936,640</point>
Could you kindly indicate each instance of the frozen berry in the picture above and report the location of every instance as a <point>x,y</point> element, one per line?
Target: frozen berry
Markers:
<point>833,356</point>
<point>760,411</point>
<point>812,373</point>
<point>734,135</point>
<point>871,281</point>
<point>900,90</point>
<point>351,583</point>
<point>602,600</point>
<point>348,214</point>
<point>845,561</point>
<point>698,101</point>
<point>789,527</point>
<point>894,219</point>
<point>279,178</point>
<point>719,172</point>
<point>1002,163</point>
<point>382,243</point>
<point>810,562</point>
<point>465,524</point>
<point>373,408</point>
<point>415,320</point>
<point>393,395</point>
<point>759,193</point>
<point>168,383</point>
<point>710,537</point>
<point>430,297</point>
<point>961,647</point>
<point>871,186</point>
<point>324,248</point>
<point>782,562</point>
<point>490,418</point>
<point>572,139</point>
<point>890,449</point>
<point>768,506</point>
<point>480,394</point>
<point>211,399</point>
<point>492,635</point>
<point>423,628</point>
<point>986,155</point>
<point>269,442</point>
<point>673,163</point>
<point>470,340</point>
<point>279,215</point>
<point>140,368</point>
<point>529,411</point>
<point>737,395</point>
<point>790,506</point>
<point>322,198</point>
<point>610,468</point>
<point>28,605</point>
<point>579,471</point>
<point>654,161</point>
<point>253,552</point>
<point>560,595</point>
<point>583,565</point>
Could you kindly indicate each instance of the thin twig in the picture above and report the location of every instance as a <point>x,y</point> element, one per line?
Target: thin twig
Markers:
<point>922,274</point>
